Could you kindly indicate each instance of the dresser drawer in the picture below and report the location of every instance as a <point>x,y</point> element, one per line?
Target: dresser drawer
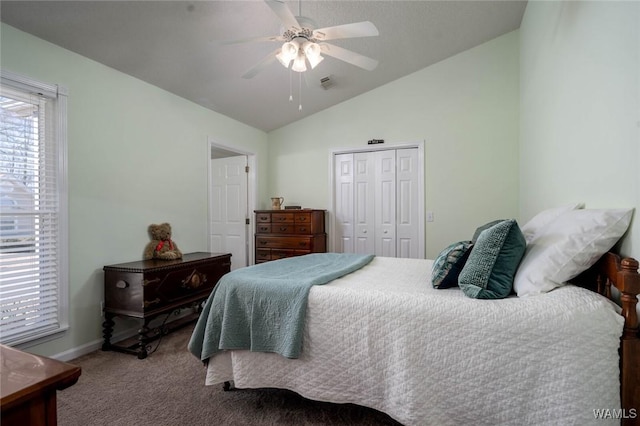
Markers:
<point>297,243</point>
<point>283,228</point>
<point>263,228</point>
<point>302,229</point>
<point>263,217</point>
<point>302,218</point>
<point>282,253</point>
<point>263,254</point>
<point>282,218</point>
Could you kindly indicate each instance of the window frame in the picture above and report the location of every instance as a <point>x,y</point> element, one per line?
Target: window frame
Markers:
<point>59,95</point>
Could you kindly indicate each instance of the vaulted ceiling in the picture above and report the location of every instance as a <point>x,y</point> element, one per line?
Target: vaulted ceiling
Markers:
<point>179,46</point>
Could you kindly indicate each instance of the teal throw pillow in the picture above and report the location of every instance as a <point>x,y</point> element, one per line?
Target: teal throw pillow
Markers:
<point>449,263</point>
<point>493,262</point>
<point>482,228</point>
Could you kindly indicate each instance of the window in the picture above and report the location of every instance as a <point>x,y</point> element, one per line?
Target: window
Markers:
<point>33,209</point>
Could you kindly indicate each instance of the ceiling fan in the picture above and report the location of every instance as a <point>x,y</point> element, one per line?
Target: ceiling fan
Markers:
<point>303,43</point>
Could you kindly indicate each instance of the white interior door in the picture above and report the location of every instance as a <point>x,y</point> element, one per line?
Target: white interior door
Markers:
<point>228,209</point>
<point>364,203</point>
<point>385,202</point>
<point>343,170</point>
<point>407,204</point>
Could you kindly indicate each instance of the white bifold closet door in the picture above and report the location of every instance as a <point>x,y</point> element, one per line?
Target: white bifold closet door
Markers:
<point>377,203</point>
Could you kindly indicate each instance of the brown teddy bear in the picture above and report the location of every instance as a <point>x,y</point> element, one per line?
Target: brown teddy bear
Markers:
<point>161,245</point>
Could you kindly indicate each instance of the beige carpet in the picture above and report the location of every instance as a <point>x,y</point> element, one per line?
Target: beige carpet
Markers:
<point>167,389</point>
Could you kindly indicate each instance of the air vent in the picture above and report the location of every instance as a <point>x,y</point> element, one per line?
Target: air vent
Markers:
<point>326,82</point>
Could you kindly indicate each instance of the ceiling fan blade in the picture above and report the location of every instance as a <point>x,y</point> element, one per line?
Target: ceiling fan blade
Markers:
<point>265,62</point>
<point>349,56</point>
<point>253,39</point>
<point>357,29</point>
<point>283,12</point>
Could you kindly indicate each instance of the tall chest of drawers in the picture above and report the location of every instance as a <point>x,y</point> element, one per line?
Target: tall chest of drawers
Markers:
<point>287,233</point>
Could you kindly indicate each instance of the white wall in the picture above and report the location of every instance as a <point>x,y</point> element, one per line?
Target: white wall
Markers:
<point>465,108</point>
<point>566,85</point>
<point>580,107</point>
<point>137,155</point>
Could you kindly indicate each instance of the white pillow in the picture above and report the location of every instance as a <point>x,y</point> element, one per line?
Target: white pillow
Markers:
<point>544,218</point>
<point>568,246</point>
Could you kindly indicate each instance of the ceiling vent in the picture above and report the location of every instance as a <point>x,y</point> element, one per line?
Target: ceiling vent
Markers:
<point>326,82</point>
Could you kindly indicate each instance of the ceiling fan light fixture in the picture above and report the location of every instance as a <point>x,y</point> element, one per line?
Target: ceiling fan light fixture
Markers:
<point>312,52</point>
<point>288,53</point>
<point>311,49</point>
<point>281,58</point>
<point>299,64</point>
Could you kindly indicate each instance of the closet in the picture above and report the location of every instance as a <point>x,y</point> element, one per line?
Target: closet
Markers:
<point>378,202</point>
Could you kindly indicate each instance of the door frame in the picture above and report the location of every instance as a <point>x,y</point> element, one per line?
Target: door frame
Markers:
<point>252,196</point>
<point>331,226</point>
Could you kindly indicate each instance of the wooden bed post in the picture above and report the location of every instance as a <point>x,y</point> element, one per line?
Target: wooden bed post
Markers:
<point>629,286</point>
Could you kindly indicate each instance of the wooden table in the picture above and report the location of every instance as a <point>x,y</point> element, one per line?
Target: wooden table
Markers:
<point>28,387</point>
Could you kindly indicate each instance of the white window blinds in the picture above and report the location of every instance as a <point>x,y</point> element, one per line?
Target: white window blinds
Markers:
<point>33,217</point>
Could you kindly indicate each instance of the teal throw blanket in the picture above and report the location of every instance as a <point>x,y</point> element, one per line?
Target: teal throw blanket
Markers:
<point>262,307</point>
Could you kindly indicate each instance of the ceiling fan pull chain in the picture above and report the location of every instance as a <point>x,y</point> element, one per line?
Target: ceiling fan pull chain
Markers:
<point>300,91</point>
<point>290,86</point>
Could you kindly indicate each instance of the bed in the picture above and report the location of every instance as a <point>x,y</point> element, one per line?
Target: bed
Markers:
<point>383,337</point>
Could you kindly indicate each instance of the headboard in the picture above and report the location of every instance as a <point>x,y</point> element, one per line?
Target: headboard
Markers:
<point>609,271</point>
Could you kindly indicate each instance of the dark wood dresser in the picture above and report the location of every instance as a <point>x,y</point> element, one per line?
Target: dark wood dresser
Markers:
<point>287,233</point>
<point>28,387</point>
<point>147,289</point>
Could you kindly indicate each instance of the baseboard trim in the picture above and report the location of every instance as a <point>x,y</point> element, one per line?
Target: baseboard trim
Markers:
<point>95,345</point>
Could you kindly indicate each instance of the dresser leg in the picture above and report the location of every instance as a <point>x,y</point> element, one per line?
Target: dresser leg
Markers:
<point>143,340</point>
<point>107,331</point>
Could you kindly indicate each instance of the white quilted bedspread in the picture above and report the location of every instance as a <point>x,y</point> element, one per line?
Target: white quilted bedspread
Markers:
<point>382,337</point>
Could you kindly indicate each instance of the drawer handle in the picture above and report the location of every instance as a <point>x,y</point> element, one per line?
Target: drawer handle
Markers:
<point>147,282</point>
<point>303,229</point>
<point>283,228</point>
<point>263,243</point>
<point>194,280</point>
<point>122,284</point>
<point>302,243</point>
<point>147,304</point>
<point>264,217</point>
